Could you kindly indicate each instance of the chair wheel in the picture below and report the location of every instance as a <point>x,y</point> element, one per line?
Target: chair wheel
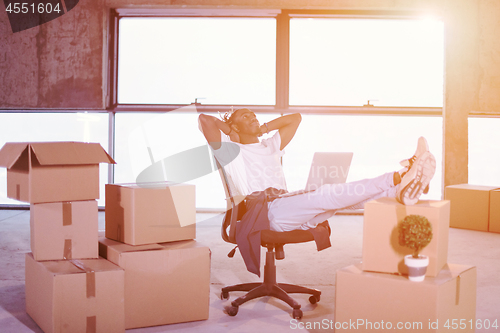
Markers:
<point>232,310</point>
<point>314,299</point>
<point>297,314</point>
<point>224,295</point>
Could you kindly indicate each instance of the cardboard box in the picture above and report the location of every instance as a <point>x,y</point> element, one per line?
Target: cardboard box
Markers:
<point>470,206</point>
<point>164,283</point>
<point>375,302</point>
<point>64,230</point>
<point>53,171</point>
<point>494,219</point>
<point>75,295</point>
<point>381,249</point>
<point>149,213</point>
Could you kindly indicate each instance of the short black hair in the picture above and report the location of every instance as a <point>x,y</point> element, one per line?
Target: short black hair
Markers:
<point>228,117</point>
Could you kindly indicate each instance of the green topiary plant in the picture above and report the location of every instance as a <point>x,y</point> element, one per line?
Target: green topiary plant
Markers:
<point>415,232</point>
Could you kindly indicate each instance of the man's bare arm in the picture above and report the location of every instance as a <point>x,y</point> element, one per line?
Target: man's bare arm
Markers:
<point>211,128</point>
<point>287,126</point>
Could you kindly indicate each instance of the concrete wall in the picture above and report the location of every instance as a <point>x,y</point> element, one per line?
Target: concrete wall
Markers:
<point>472,77</point>
<point>56,65</point>
<point>60,64</point>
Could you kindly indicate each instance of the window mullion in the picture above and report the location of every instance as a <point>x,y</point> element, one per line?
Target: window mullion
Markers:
<point>282,61</point>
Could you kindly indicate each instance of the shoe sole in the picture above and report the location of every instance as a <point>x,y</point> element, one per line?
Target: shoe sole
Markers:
<point>426,167</point>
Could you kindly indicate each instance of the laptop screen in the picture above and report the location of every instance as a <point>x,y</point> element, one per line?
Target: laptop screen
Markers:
<point>328,168</point>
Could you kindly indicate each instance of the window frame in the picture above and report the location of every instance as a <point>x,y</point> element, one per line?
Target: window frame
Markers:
<point>282,17</point>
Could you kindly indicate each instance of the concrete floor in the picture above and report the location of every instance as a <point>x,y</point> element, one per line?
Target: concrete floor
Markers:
<point>303,265</point>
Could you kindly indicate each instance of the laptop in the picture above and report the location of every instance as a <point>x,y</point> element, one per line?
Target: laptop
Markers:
<point>326,168</point>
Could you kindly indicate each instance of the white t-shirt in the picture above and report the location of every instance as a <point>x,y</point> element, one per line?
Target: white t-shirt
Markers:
<point>256,166</point>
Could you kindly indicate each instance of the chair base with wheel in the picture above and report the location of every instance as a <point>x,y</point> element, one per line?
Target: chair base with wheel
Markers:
<point>269,286</point>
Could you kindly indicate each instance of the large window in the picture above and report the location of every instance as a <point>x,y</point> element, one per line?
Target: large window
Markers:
<point>484,151</point>
<point>280,61</point>
<point>214,60</point>
<point>352,61</point>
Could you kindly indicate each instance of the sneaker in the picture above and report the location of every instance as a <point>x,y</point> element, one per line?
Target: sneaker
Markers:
<point>420,170</point>
<point>422,147</point>
<point>416,179</point>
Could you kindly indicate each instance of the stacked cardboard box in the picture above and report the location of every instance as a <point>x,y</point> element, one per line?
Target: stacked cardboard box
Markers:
<point>150,232</point>
<point>75,295</point>
<point>150,213</point>
<point>164,283</point>
<point>53,171</point>
<point>377,295</point>
<point>153,272</point>
<point>375,302</point>
<point>68,287</point>
<point>381,249</point>
<point>64,230</point>
<point>474,207</point>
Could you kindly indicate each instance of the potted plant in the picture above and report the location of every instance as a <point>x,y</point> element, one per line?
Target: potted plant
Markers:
<point>415,232</point>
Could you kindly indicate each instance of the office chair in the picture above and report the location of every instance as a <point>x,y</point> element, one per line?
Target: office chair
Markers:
<point>274,242</point>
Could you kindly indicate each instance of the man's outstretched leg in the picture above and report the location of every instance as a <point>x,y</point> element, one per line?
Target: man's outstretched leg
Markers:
<point>294,212</point>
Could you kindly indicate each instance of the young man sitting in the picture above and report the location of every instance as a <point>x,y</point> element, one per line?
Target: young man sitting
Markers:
<point>257,167</point>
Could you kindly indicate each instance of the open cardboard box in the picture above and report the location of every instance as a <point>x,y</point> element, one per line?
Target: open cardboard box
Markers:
<point>53,171</point>
<point>149,213</point>
<point>381,249</point>
<point>164,283</point>
<point>75,295</point>
<point>380,302</point>
<point>64,230</point>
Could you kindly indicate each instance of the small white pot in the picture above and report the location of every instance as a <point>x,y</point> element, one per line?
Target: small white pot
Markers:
<point>417,267</point>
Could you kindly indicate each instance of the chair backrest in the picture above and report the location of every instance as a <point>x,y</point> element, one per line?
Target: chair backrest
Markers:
<point>235,207</point>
